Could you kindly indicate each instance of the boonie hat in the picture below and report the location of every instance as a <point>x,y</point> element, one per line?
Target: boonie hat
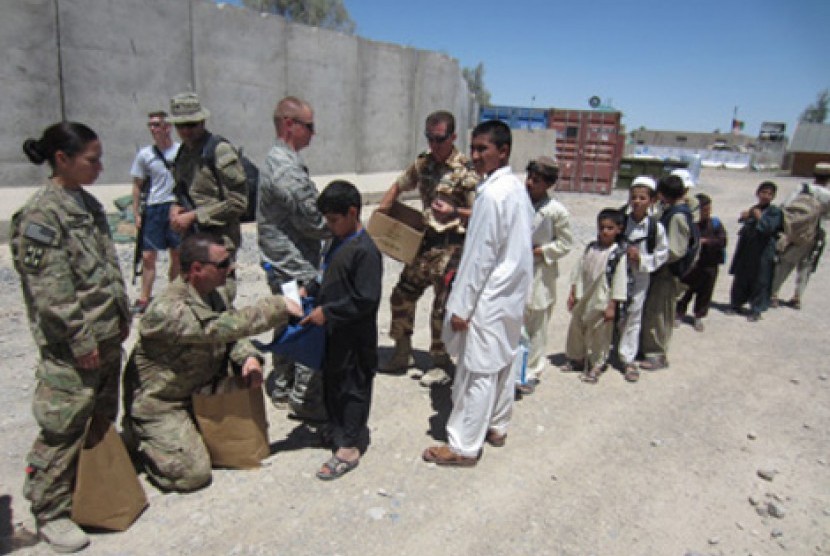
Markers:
<point>684,175</point>
<point>644,181</point>
<point>185,108</point>
<point>822,169</point>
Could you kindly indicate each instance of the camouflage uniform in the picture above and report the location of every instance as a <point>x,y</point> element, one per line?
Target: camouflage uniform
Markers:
<point>453,181</point>
<point>218,208</point>
<point>290,229</point>
<point>182,345</point>
<point>76,302</point>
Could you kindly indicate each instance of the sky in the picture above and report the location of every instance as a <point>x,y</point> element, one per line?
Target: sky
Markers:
<point>665,64</point>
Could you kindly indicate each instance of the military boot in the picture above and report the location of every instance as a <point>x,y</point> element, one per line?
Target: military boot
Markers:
<point>402,357</point>
<point>63,535</point>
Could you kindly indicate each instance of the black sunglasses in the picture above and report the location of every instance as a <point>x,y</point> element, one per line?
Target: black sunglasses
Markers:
<point>437,138</point>
<point>308,125</point>
<point>224,263</point>
<point>188,124</point>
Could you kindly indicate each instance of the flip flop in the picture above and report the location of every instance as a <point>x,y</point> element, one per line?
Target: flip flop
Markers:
<point>335,468</point>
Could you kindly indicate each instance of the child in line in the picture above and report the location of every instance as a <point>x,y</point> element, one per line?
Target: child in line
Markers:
<point>754,260</point>
<point>599,284</point>
<point>552,240</point>
<point>701,279</point>
<point>661,299</point>
<point>347,305</point>
<point>647,250</point>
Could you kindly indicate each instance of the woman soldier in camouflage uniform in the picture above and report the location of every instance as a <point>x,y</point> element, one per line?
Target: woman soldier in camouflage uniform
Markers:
<point>79,316</point>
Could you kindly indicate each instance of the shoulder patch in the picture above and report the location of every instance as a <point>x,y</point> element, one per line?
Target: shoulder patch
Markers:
<point>40,233</point>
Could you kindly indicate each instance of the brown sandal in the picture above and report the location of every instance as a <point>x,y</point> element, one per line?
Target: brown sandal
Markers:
<point>592,376</point>
<point>632,373</point>
<point>442,455</point>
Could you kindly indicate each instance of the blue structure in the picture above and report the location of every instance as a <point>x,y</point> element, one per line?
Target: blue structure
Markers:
<point>516,117</point>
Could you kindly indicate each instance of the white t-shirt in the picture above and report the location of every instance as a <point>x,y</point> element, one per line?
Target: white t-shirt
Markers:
<point>146,163</point>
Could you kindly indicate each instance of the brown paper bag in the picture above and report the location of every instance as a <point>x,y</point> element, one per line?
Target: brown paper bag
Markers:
<point>107,491</point>
<point>233,423</point>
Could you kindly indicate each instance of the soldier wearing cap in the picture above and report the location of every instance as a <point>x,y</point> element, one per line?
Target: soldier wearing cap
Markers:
<point>803,258</point>
<point>446,182</point>
<point>202,203</point>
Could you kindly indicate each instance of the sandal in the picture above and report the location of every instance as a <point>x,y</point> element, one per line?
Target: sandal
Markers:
<point>335,468</point>
<point>591,376</point>
<point>632,373</point>
<point>572,367</point>
<point>442,455</point>
<point>495,439</point>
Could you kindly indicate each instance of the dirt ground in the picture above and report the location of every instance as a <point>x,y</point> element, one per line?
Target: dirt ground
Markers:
<point>667,466</point>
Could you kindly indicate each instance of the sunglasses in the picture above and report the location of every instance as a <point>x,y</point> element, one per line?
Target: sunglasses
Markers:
<point>224,263</point>
<point>437,138</point>
<point>308,125</point>
<point>187,125</point>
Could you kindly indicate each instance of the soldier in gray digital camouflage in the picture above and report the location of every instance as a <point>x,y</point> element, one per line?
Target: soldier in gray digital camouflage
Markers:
<point>79,315</point>
<point>187,337</point>
<point>446,183</point>
<point>290,230</point>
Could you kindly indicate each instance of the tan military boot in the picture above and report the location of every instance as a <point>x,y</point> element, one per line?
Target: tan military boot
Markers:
<point>63,535</point>
<point>401,359</point>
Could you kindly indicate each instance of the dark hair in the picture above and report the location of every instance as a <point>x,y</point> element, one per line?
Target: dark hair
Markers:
<point>767,185</point>
<point>614,215</point>
<point>196,248</point>
<point>671,187</point>
<point>442,117</point>
<point>338,197</point>
<point>704,199</point>
<point>548,173</point>
<point>70,138</point>
<point>497,130</point>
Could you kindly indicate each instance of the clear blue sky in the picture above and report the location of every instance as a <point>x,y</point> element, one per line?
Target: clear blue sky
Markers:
<point>665,64</point>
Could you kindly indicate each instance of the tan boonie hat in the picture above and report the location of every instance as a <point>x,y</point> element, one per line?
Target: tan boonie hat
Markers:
<point>185,108</point>
<point>822,169</point>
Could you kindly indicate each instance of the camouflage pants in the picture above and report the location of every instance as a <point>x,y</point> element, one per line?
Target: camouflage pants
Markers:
<point>65,398</point>
<point>429,268</point>
<point>174,454</point>
<point>303,386</point>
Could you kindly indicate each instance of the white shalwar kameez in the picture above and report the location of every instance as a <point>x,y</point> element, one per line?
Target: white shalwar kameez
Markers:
<point>490,292</point>
<point>636,233</point>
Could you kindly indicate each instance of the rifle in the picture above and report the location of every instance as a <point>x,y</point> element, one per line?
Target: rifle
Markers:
<point>138,266</point>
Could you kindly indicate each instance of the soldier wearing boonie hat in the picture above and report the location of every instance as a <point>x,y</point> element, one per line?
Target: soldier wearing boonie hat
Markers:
<point>803,258</point>
<point>202,203</point>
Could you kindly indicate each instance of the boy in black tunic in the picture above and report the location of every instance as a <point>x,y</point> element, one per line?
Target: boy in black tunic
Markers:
<point>347,298</point>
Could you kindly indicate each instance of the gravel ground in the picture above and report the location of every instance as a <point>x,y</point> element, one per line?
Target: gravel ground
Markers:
<point>726,452</point>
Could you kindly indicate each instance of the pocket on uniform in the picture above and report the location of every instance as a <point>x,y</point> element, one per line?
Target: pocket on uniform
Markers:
<point>61,409</point>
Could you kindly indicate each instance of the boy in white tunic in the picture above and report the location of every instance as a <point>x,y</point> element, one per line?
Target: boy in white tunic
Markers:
<point>485,308</point>
<point>552,240</point>
<point>599,283</point>
<point>648,250</point>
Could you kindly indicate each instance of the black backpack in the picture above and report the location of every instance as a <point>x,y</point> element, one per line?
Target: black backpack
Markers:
<point>251,175</point>
<point>684,264</point>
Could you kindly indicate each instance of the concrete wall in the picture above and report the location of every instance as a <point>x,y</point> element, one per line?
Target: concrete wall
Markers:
<point>109,62</point>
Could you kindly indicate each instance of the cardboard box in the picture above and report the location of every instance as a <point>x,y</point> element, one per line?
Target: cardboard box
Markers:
<point>398,232</point>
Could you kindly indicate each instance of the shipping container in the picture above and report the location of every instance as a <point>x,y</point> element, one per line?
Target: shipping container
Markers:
<point>516,117</point>
<point>589,146</point>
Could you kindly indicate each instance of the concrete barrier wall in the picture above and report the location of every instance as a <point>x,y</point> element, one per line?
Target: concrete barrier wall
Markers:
<point>108,63</point>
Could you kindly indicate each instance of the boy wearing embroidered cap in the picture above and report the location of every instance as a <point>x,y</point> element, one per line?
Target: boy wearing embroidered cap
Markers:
<point>647,250</point>
<point>552,240</point>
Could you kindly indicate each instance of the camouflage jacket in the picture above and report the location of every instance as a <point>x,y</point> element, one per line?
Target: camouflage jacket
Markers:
<point>68,266</point>
<point>453,181</point>
<point>183,339</point>
<point>213,212</point>
<point>289,225</point>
